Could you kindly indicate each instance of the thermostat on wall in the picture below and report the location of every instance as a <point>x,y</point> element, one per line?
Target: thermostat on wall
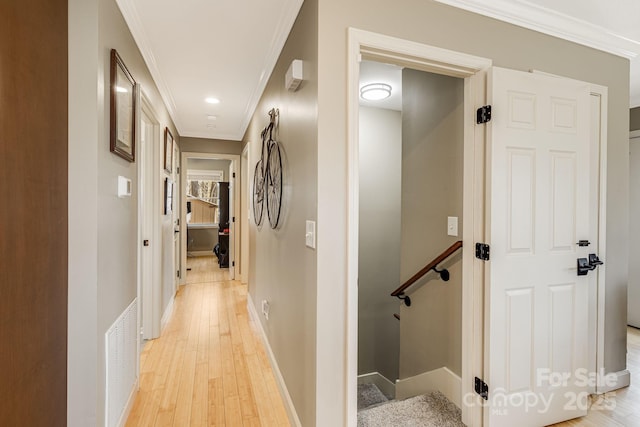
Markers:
<point>124,187</point>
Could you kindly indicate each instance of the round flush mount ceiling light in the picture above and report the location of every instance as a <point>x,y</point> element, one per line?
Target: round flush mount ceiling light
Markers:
<point>375,91</point>
<point>212,101</point>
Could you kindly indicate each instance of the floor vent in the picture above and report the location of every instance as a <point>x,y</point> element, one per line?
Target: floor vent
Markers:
<point>120,344</point>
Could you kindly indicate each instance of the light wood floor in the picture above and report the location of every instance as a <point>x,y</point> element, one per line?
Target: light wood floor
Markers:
<point>626,401</point>
<point>209,367</point>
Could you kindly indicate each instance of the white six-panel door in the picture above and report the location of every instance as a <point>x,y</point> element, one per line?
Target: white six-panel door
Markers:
<point>538,201</point>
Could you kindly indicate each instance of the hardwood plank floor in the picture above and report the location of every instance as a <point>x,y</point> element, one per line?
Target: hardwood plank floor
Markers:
<point>209,367</point>
<point>625,402</point>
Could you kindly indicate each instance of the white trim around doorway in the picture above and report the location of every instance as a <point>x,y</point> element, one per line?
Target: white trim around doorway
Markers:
<point>149,293</point>
<point>368,45</point>
<point>235,168</point>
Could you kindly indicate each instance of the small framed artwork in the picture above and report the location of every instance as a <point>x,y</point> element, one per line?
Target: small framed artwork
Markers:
<point>123,109</point>
<point>168,196</point>
<point>168,151</point>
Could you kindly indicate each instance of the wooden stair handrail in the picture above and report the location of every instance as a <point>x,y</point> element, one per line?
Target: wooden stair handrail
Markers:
<point>444,255</point>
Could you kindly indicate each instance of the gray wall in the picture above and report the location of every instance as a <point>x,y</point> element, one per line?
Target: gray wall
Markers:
<point>379,240</point>
<point>103,279</point>
<point>634,120</point>
<point>282,270</point>
<point>432,158</point>
<point>205,145</point>
<point>508,46</point>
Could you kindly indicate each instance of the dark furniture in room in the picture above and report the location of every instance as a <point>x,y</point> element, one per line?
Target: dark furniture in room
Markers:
<point>223,229</point>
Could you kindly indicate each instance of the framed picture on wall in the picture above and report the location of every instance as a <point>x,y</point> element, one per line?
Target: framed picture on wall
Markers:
<point>168,196</point>
<point>168,151</point>
<point>123,109</point>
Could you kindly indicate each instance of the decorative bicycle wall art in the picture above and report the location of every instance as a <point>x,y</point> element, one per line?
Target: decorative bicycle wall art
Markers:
<point>267,178</point>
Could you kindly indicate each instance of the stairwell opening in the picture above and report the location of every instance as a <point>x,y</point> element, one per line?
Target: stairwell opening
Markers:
<point>411,149</point>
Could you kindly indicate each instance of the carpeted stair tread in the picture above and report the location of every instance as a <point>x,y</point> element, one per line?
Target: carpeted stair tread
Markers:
<point>369,395</point>
<point>428,410</point>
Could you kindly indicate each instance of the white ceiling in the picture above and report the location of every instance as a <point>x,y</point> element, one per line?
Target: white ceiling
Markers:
<point>197,49</point>
<point>202,48</point>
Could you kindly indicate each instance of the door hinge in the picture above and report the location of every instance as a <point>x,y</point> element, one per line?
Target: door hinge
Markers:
<point>233,263</point>
<point>482,251</point>
<point>233,219</point>
<point>234,174</point>
<point>178,170</point>
<point>178,274</point>
<point>482,388</point>
<point>483,115</point>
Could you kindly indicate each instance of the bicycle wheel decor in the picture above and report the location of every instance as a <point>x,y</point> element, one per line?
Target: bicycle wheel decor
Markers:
<point>274,184</point>
<point>258,193</point>
<point>267,178</point>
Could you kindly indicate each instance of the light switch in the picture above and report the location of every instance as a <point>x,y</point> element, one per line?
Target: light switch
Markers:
<point>452,226</point>
<point>310,235</point>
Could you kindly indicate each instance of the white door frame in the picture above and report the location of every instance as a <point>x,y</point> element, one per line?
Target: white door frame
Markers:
<point>235,163</point>
<point>178,179</point>
<point>150,292</point>
<point>473,69</point>
<point>245,203</point>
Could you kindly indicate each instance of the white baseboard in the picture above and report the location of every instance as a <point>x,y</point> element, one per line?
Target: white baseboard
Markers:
<point>441,379</point>
<point>623,379</point>
<point>386,386</point>
<point>127,409</point>
<point>288,403</point>
<point>167,314</point>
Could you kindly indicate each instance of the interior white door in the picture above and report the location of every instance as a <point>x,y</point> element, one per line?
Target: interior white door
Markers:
<point>176,217</point>
<point>244,216</point>
<point>149,293</point>
<point>232,222</point>
<point>538,200</point>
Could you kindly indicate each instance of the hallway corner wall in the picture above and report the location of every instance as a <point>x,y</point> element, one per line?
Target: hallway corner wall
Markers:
<point>103,239</point>
<point>282,270</point>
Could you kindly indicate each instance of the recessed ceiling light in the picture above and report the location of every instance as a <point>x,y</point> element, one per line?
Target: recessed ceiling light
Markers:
<point>212,117</point>
<point>375,91</point>
<point>121,89</point>
<point>212,101</point>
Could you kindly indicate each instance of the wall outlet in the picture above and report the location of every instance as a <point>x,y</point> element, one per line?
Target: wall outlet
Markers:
<point>265,309</point>
<point>452,226</point>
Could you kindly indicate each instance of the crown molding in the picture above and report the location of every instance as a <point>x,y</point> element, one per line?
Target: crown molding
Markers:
<point>553,23</point>
<point>283,28</point>
<point>131,16</point>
